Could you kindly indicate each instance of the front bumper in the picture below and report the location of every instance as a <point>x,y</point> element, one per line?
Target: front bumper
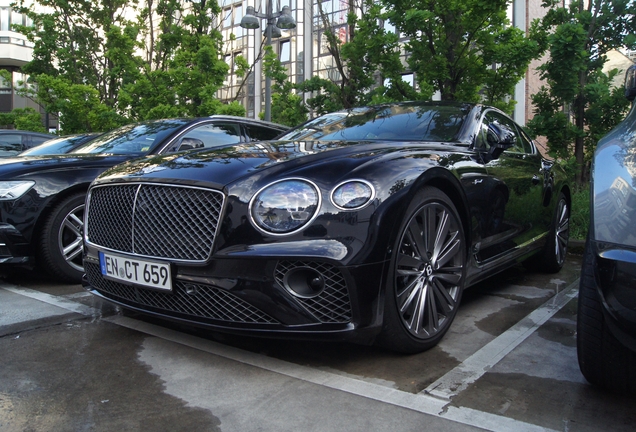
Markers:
<point>256,296</point>
<point>14,247</point>
<point>615,274</point>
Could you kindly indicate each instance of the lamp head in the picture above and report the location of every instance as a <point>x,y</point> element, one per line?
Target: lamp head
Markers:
<point>286,21</point>
<point>249,20</point>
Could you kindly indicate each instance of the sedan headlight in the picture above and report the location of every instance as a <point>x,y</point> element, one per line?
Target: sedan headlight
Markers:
<point>285,206</point>
<point>352,194</point>
<point>10,190</point>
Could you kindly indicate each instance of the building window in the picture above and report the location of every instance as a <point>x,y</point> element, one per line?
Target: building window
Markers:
<point>285,51</point>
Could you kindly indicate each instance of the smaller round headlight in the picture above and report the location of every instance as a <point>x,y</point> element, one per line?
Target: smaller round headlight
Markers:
<point>353,194</point>
<point>285,206</point>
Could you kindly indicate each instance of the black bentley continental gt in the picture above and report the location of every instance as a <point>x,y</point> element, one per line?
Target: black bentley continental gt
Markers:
<point>42,197</point>
<point>363,225</point>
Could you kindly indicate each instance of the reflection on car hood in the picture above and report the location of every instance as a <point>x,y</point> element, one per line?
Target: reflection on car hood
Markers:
<point>19,166</point>
<point>225,165</point>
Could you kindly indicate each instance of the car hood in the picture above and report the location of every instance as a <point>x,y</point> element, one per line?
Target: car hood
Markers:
<point>220,167</point>
<point>15,167</point>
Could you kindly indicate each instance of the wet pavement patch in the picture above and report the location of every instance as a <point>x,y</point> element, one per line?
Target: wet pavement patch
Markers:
<point>86,376</point>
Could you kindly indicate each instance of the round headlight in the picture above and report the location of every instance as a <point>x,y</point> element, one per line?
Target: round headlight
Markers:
<point>353,194</point>
<point>285,206</point>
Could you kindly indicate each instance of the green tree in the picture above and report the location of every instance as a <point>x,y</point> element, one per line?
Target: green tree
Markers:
<point>185,69</point>
<point>577,106</point>
<point>288,107</point>
<point>465,49</point>
<point>369,54</point>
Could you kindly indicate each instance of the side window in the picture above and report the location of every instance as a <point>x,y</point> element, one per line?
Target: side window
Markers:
<point>260,133</point>
<point>10,144</point>
<point>210,135</point>
<point>37,140</point>
<point>526,142</point>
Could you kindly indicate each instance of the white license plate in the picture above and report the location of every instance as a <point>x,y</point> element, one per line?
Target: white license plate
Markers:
<point>136,271</point>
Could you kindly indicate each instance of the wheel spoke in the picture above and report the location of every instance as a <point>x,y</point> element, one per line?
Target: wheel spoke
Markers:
<point>440,236</point>
<point>414,233</point>
<point>72,250</point>
<point>448,251</point>
<point>74,227</point>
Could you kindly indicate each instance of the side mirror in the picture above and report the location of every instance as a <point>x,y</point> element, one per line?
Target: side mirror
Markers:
<point>190,144</point>
<point>630,83</point>
<point>500,137</point>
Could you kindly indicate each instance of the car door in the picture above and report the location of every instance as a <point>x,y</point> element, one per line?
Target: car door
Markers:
<point>517,214</point>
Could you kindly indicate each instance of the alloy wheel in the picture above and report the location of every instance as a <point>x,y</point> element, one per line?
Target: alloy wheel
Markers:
<point>430,266</point>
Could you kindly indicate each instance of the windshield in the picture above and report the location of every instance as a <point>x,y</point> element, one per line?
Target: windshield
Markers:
<point>406,122</point>
<point>58,145</point>
<point>137,139</point>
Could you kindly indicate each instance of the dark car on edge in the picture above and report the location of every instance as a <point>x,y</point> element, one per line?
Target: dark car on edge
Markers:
<point>606,320</point>
<point>42,197</point>
<point>364,225</point>
<point>14,141</point>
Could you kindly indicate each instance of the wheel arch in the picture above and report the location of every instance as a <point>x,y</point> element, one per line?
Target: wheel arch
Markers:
<point>51,204</point>
<point>445,181</point>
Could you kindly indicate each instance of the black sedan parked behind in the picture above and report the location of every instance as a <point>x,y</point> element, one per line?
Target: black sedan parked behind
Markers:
<point>365,224</point>
<point>42,197</point>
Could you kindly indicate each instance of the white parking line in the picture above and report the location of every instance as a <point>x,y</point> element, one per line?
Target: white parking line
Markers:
<point>471,369</point>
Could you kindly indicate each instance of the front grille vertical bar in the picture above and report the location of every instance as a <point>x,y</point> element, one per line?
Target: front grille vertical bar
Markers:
<point>132,222</point>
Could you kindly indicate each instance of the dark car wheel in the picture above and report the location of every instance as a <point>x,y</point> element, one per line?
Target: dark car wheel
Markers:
<point>603,360</point>
<point>427,274</point>
<point>61,240</point>
<point>551,258</point>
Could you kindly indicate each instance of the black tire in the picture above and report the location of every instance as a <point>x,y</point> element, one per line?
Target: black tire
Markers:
<point>552,257</point>
<point>426,279</point>
<point>603,360</point>
<point>60,252</point>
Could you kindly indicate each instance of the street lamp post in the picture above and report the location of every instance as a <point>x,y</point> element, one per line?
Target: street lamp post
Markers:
<point>286,21</point>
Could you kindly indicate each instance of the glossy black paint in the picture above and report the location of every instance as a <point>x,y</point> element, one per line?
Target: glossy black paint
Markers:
<point>59,176</point>
<point>505,205</point>
<point>612,236</point>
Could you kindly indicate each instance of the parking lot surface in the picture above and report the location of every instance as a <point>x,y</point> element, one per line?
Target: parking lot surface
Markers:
<point>71,362</point>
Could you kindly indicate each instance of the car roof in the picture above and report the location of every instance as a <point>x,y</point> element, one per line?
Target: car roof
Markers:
<point>25,132</point>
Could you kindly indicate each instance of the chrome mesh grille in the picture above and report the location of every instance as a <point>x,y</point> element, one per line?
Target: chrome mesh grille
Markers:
<point>194,300</point>
<point>155,220</point>
<point>332,305</point>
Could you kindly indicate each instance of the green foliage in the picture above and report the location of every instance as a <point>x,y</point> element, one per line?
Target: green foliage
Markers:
<point>287,107</point>
<point>79,105</point>
<point>577,105</point>
<point>23,119</point>
<point>580,214</point>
